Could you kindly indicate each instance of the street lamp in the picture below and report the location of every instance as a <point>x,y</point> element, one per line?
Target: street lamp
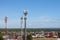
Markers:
<point>25,18</point>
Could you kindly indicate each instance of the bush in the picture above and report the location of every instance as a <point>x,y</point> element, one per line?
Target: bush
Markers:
<point>1,36</point>
<point>29,37</point>
<point>59,34</point>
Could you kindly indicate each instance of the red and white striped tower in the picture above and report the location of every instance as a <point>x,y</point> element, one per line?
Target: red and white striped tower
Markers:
<point>5,19</point>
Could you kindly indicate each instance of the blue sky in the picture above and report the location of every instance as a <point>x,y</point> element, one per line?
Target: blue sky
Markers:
<point>41,13</point>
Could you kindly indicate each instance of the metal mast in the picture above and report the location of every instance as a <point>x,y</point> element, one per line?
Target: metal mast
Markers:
<point>6,24</point>
<point>25,18</point>
<point>21,27</point>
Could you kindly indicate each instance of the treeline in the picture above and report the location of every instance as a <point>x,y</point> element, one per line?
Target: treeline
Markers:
<point>34,29</point>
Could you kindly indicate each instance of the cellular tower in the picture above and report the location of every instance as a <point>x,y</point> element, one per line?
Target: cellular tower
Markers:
<point>5,19</point>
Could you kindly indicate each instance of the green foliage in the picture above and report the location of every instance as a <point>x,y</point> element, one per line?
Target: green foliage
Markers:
<point>29,37</point>
<point>1,36</point>
<point>59,34</point>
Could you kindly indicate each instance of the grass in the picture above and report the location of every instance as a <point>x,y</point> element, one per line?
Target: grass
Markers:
<point>44,38</point>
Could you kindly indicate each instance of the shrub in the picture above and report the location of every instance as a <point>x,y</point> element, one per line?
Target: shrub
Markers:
<point>59,34</point>
<point>1,36</point>
<point>29,37</point>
